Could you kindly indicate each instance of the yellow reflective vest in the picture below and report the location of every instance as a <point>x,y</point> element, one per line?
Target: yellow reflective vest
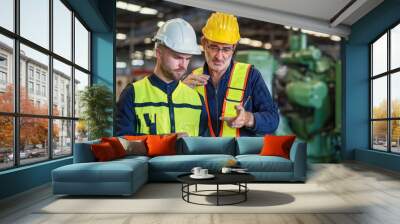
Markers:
<point>233,96</point>
<point>159,113</point>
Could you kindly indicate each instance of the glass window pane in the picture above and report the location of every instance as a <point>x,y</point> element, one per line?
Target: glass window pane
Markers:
<point>81,81</point>
<point>62,89</point>
<point>62,138</point>
<point>395,94</point>
<point>6,142</point>
<point>6,74</point>
<point>35,21</point>
<point>81,45</point>
<point>395,136</point>
<point>62,29</point>
<point>395,47</point>
<point>379,135</point>
<point>379,98</point>
<point>34,80</point>
<point>33,140</point>
<point>379,55</point>
<point>7,14</point>
<point>81,131</point>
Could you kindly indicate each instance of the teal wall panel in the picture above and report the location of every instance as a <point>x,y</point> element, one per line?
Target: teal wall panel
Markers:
<point>356,85</point>
<point>24,178</point>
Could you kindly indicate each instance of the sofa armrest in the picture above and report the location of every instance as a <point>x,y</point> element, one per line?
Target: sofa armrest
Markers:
<point>83,152</point>
<point>298,155</point>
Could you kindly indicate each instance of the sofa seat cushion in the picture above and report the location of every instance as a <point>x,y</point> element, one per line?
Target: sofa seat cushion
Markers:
<point>185,163</point>
<point>206,145</point>
<point>112,171</point>
<point>257,163</point>
<point>133,158</point>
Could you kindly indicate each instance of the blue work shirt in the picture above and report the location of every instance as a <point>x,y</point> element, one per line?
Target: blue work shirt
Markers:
<point>126,119</point>
<point>265,111</point>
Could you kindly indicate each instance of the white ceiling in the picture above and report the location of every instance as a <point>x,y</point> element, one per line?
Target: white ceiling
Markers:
<point>315,15</point>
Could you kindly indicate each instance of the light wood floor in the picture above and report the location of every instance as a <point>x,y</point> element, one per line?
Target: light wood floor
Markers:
<point>354,182</point>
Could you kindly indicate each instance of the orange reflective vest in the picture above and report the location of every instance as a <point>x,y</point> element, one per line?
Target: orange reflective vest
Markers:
<point>234,96</point>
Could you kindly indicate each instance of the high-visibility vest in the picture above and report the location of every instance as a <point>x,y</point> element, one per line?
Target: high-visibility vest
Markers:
<point>234,96</point>
<point>159,113</point>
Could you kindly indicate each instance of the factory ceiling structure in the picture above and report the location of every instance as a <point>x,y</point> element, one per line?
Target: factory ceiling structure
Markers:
<point>263,24</point>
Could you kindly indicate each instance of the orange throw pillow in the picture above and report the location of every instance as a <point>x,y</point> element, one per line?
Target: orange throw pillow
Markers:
<point>116,145</point>
<point>277,145</point>
<point>161,145</point>
<point>135,137</point>
<point>103,151</point>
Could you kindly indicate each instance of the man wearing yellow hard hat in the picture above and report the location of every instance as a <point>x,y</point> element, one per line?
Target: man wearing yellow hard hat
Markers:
<point>237,100</point>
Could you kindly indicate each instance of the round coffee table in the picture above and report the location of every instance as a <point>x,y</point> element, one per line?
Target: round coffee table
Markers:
<point>238,179</point>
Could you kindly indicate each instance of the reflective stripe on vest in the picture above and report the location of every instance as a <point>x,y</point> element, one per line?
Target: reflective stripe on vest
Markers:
<point>158,113</point>
<point>234,96</point>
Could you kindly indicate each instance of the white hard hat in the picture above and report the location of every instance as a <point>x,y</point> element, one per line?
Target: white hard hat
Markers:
<point>178,35</point>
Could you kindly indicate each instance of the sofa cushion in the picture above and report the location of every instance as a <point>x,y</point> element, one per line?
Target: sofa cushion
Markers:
<point>112,171</point>
<point>161,145</point>
<point>249,145</point>
<point>103,151</point>
<point>207,145</point>
<point>134,147</point>
<point>128,159</point>
<point>277,145</point>
<point>185,163</point>
<point>135,137</point>
<point>257,163</point>
<point>116,145</point>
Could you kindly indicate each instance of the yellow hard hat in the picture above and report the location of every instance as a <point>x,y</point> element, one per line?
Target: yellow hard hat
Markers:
<point>222,28</point>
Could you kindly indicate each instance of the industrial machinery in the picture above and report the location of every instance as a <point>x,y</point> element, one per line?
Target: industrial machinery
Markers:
<point>306,86</point>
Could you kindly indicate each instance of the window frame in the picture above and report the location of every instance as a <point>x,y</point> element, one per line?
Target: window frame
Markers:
<point>388,74</point>
<point>16,114</point>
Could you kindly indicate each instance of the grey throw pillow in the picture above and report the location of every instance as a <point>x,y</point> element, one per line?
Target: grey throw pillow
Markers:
<point>135,147</point>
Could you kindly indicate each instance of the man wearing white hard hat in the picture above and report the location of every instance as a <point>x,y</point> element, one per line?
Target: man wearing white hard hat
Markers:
<point>160,103</point>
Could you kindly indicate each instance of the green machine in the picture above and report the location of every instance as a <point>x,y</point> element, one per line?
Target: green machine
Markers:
<point>306,87</point>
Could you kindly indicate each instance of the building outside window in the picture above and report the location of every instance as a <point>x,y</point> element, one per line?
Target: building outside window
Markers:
<point>3,78</point>
<point>30,72</point>
<point>38,89</point>
<point>37,75</point>
<point>3,72</point>
<point>43,78</point>
<point>30,87</point>
<point>43,90</point>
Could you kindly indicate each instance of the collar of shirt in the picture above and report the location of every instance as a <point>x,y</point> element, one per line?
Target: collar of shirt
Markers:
<point>168,88</point>
<point>224,77</point>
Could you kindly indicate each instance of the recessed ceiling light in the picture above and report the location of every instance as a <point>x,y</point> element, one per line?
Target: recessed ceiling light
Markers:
<point>256,43</point>
<point>244,41</point>
<point>147,40</point>
<point>128,6</point>
<point>133,7</point>
<point>121,64</point>
<point>148,11</point>
<point>335,38</point>
<point>122,5</point>
<point>267,46</point>
<point>121,36</point>
<point>137,62</point>
<point>160,23</point>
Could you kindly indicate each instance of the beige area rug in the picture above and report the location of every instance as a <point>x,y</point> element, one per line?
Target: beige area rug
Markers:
<point>166,198</point>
